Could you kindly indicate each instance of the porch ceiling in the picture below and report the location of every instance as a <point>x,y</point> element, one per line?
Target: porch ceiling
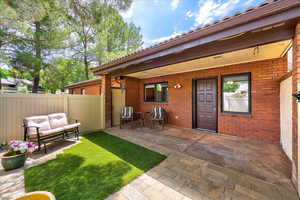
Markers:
<point>262,52</point>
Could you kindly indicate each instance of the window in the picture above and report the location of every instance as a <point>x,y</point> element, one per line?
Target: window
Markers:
<point>156,92</point>
<point>82,91</point>
<point>236,93</point>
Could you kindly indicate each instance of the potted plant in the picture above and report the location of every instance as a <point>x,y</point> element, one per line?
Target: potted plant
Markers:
<point>17,154</point>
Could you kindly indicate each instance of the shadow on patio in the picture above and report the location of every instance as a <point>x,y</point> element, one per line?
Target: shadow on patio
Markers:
<point>255,158</point>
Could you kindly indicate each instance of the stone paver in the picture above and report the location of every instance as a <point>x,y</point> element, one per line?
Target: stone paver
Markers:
<point>183,176</point>
<point>256,158</point>
<point>12,182</point>
<point>212,182</point>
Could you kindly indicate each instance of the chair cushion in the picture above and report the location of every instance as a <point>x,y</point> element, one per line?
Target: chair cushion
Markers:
<point>51,131</point>
<point>70,126</point>
<point>127,112</point>
<point>58,120</point>
<point>41,121</point>
<point>158,113</point>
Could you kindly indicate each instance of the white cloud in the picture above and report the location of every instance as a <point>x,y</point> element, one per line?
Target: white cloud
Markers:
<point>128,13</point>
<point>174,4</point>
<point>189,14</point>
<point>148,42</point>
<point>161,39</point>
<point>248,2</point>
<point>211,10</point>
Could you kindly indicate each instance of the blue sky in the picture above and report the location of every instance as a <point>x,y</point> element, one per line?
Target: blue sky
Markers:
<point>162,19</point>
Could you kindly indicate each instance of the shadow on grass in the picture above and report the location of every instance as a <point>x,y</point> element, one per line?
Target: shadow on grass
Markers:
<point>68,180</point>
<point>93,169</point>
<point>138,156</point>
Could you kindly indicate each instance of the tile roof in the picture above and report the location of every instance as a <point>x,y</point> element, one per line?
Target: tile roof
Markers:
<point>184,36</point>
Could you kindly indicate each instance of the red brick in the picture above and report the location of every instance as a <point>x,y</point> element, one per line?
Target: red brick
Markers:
<point>89,90</point>
<point>263,123</point>
<point>106,91</point>
<point>296,80</point>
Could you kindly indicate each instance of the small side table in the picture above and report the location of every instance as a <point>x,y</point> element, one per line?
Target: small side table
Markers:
<point>142,116</point>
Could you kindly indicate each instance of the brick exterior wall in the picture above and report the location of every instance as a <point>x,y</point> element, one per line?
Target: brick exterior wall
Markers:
<point>106,91</point>
<point>132,92</point>
<point>264,121</point>
<point>89,90</point>
<point>93,89</point>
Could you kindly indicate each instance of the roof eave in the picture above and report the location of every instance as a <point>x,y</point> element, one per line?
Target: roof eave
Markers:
<point>264,16</point>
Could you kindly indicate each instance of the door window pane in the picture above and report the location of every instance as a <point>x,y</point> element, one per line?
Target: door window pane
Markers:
<point>236,93</point>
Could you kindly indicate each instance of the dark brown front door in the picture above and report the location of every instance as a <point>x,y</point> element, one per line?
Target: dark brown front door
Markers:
<point>206,104</point>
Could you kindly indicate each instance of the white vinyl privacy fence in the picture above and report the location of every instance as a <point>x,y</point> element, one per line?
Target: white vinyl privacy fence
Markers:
<point>286,121</point>
<point>88,109</point>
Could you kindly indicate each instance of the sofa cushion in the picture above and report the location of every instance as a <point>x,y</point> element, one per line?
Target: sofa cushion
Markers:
<point>52,131</point>
<point>41,121</point>
<point>58,120</point>
<point>70,126</point>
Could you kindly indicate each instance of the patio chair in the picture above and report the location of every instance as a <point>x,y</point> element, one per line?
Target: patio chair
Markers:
<point>158,114</point>
<point>126,115</point>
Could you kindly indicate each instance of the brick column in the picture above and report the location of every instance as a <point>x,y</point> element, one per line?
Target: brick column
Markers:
<point>296,106</point>
<point>106,91</point>
<point>132,97</point>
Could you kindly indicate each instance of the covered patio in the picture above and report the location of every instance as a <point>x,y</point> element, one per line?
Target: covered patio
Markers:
<point>262,160</point>
<point>235,77</point>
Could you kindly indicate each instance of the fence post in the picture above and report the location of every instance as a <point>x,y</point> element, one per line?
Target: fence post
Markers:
<point>66,104</point>
<point>102,111</point>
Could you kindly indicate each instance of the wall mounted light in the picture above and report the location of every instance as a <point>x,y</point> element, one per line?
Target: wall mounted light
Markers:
<point>297,96</point>
<point>177,86</point>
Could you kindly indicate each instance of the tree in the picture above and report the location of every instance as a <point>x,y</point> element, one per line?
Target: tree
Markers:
<point>91,22</point>
<point>34,31</point>
<point>3,74</point>
<point>116,39</point>
<point>230,86</point>
<point>61,73</point>
<point>35,34</point>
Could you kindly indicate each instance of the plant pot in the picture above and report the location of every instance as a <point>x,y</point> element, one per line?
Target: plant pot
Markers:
<point>38,195</point>
<point>13,162</point>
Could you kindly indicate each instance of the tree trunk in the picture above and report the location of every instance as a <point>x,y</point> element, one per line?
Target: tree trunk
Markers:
<point>36,82</point>
<point>86,67</point>
<point>38,54</point>
<point>0,84</point>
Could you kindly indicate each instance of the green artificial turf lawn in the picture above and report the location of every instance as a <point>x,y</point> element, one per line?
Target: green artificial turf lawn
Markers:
<point>93,169</point>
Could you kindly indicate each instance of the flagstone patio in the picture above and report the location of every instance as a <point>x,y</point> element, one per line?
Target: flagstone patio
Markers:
<point>212,166</point>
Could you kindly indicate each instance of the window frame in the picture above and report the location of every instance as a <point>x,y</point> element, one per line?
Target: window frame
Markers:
<point>249,94</point>
<point>155,85</point>
<point>82,91</point>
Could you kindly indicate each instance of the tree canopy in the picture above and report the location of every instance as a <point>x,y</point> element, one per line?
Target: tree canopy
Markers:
<point>63,37</point>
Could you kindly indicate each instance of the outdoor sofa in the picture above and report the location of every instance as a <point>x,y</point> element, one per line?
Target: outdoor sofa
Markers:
<point>46,128</point>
